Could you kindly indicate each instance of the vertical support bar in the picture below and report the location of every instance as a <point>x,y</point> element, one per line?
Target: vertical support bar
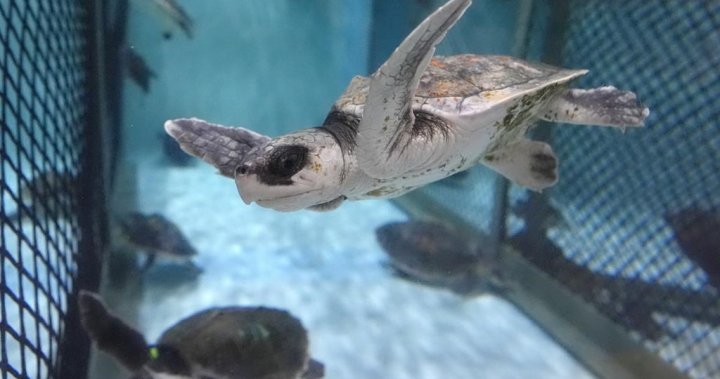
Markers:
<point>92,218</point>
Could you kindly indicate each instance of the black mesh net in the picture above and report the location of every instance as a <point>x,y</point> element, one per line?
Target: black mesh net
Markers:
<point>632,226</point>
<point>43,116</point>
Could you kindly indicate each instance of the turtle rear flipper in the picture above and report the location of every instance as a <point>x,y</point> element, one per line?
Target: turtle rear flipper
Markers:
<point>528,163</point>
<point>603,106</point>
<point>111,334</point>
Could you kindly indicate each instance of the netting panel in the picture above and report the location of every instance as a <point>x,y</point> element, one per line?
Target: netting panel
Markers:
<point>42,114</point>
<point>641,210</point>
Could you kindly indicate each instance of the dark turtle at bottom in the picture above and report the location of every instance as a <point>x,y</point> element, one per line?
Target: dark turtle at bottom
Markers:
<point>217,343</point>
<point>432,254</point>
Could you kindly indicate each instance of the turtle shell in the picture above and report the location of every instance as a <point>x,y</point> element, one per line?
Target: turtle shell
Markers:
<point>470,84</point>
<point>241,342</point>
<point>426,250</point>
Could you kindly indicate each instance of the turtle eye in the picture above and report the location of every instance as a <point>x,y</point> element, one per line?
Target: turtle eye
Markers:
<point>286,161</point>
<point>168,359</point>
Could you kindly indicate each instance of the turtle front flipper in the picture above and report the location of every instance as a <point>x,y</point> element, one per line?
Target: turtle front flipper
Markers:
<point>603,106</point>
<point>111,334</point>
<point>527,163</point>
<point>221,146</point>
<point>386,128</point>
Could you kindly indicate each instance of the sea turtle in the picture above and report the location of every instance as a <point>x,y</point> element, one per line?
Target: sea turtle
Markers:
<point>430,253</point>
<point>156,235</point>
<point>137,68</point>
<point>416,120</point>
<point>49,194</point>
<point>694,229</point>
<point>217,343</point>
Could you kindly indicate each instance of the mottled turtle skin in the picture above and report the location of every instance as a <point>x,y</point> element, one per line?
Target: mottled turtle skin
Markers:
<point>416,120</point>
<point>217,343</point>
<point>432,254</point>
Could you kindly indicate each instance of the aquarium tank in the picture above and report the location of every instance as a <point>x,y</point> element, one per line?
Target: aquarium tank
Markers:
<point>128,247</point>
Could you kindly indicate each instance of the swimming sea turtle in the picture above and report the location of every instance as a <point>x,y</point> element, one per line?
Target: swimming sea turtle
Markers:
<point>416,120</point>
<point>217,343</point>
<point>156,235</point>
<point>430,253</point>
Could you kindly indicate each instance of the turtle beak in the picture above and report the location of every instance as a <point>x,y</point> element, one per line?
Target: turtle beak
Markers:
<point>245,184</point>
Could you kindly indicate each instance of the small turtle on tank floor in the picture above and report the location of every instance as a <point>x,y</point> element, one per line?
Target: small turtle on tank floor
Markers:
<point>432,254</point>
<point>217,343</point>
<point>416,120</point>
<point>156,235</point>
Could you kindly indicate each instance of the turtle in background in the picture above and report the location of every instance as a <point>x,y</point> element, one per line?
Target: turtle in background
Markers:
<point>538,213</point>
<point>137,68</point>
<point>416,120</point>
<point>694,230</point>
<point>218,343</point>
<point>432,254</point>
<point>156,235</point>
<point>48,194</point>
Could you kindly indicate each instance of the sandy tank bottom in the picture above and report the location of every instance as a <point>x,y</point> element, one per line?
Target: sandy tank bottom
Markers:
<point>327,269</point>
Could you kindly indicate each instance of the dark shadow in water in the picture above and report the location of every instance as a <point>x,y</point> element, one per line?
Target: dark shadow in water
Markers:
<point>630,302</point>
<point>696,232</point>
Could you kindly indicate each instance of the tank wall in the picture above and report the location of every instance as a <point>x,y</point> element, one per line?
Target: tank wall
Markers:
<point>607,232</point>
<point>639,208</point>
<point>295,56</point>
<point>52,185</point>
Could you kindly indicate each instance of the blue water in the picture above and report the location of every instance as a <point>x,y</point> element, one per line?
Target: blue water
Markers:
<point>277,66</point>
<point>274,66</point>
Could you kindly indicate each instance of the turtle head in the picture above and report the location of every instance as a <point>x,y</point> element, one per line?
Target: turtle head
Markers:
<point>292,172</point>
